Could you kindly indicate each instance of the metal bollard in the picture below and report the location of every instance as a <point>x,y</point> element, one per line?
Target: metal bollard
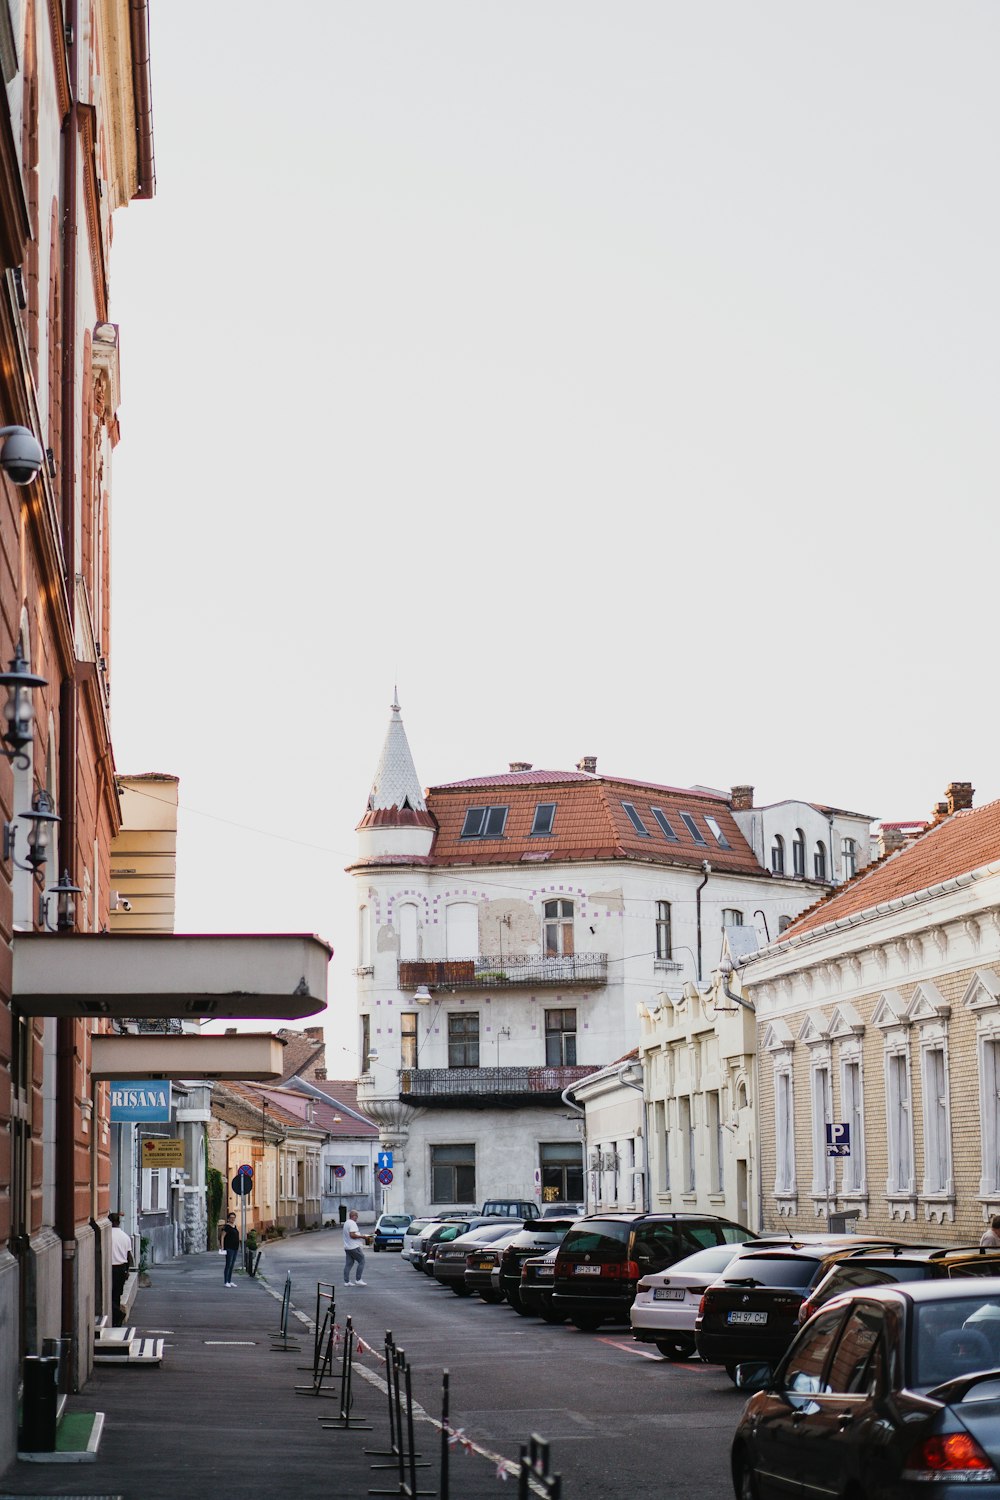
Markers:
<point>39,1403</point>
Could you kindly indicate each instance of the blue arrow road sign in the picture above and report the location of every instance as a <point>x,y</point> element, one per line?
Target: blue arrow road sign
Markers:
<point>384,1160</point>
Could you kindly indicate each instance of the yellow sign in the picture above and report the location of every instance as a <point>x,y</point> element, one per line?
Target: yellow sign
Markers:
<point>161,1151</point>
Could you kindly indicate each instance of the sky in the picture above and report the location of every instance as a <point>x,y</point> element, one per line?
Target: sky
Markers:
<point>619,380</point>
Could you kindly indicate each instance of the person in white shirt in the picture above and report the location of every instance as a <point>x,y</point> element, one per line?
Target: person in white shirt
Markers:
<point>353,1253</point>
<point>121,1262</point>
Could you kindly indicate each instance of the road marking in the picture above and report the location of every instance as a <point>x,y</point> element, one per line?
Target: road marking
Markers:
<point>631,1349</point>
<point>230,1343</point>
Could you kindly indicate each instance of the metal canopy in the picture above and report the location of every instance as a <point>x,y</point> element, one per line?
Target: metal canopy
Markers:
<point>156,975</point>
<point>246,1055</point>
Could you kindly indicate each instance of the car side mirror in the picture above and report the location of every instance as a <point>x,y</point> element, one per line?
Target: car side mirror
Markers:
<point>754,1376</point>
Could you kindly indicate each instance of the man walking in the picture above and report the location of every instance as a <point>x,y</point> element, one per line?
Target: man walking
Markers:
<point>353,1253</point>
<point>121,1263</point>
<point>231,1245</point>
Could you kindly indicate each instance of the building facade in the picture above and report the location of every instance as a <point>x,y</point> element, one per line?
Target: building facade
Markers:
<point>878,1033</point>
<point>509,928</point>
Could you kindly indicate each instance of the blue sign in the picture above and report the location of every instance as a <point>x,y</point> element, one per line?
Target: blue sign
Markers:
<point>838,1140</point>
<point>145,1099</point>
<point>384,1160</point>
<point>385,1177</point>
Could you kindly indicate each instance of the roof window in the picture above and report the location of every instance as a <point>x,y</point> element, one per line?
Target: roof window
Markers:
<point>484,823</point>
<point>664,822</point>
<point>545,814</point>
<point>635,820</point>
<point>716,832</point>
<point>692,828</point>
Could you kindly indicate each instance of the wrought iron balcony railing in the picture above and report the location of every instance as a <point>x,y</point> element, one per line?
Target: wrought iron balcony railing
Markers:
<point>488,1087</point>
<point>491,971</point>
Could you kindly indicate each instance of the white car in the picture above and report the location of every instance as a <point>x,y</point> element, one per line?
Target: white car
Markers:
<point>666,1302</point>
<point>412,1234</point>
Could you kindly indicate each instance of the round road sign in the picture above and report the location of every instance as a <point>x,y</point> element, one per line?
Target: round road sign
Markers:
<point>385,1176</point>
<point>340,1171</point>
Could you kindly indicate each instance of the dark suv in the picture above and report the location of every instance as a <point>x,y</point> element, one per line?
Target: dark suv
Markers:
<point>751,1311</point>
<point>537,1238</point>
<point>603,1256</point>
<point>903,1263</point>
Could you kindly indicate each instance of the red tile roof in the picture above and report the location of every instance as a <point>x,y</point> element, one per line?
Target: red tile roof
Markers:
<point>966,841</point>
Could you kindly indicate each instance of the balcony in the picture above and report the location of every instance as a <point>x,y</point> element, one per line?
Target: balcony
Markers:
<point>493,972</point>
<point>487,1088</point>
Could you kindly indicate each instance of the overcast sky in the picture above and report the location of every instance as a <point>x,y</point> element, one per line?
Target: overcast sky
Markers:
<point>622,379</point>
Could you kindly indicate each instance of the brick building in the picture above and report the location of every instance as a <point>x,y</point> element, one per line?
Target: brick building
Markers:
<point>880,1010</point>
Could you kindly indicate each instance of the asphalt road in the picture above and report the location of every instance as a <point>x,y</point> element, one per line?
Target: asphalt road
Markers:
<point>621,1420</point>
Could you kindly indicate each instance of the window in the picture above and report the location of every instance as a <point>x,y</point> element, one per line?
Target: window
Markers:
<point>778,855</point>
<point>799,854</point>
<point>899,1122</point>
<point>484,823</point>
<point>692,828</point>
<point>804,1372</point>
<point>360,1180</point>
<point>716,832</point>
<point>714,1102</point>
<point>408,1039</point>
<point>819,860</point>
<point>560,1038</point>
<point>406,927</point>
<point>453,1174</point>
<point>849,857</point>
<point>663,945</point>
<point>21,1075</point>
<point>686,1120</point>
<point>463,1039</point>
<point>731,917</point>
<point>784,1132</point>
<point>461,926</point>
<point>989,1083</point>
<point>662,1145</point>
<point>557,928</point>
<point>364,938</point>
<point>853,1106</point>
<point>664,824</point>
<point>562,1172</point>
<point>366,1043</point>
<point>154,1190</point>
<point>822,1116</point>
<point>635,820</point>
<point>334,1184</point>
<point>545,814</point>
<point>857,1365</point>
<point>937,1124</point>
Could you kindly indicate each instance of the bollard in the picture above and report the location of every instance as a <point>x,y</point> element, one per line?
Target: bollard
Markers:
<point>286,1301</point>
<point>534,1476</point>
<point>345,1422</point>
<point>39,1403</point>
<point>323,1369</point>
<point>407,1462</point>
<point>445,1431</point>
<point>325,1291</point>
<point>392,1452</point>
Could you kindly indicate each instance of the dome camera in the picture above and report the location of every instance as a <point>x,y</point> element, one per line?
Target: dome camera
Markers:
<point>21,456</point>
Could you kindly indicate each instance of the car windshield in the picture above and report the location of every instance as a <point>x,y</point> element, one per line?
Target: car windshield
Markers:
<point>597,1234</point>
<point>394,1221</point>
<point>551,1232</point>
<point>417,1226</point>
<point>954,1337</point>
<point>712,1262</point>
<point>487,1233</point>
<point>771,1270</point>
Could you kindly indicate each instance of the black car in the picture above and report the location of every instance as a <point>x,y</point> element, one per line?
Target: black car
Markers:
<point>603,1256</point>
<point>535,1292</point>
<point>450,1256</point>
<point>537,1238</point>
<point>903,1263</point>
<point>886,1394</point>
<point>751,1310</point>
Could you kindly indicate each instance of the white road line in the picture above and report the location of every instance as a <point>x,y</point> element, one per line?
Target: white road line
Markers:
<point>632,1349</point>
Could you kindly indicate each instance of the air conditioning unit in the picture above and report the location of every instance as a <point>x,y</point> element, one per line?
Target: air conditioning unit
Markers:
<point>595,1161</point>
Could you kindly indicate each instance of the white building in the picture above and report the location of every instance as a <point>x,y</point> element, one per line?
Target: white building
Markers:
<point>509,928</point>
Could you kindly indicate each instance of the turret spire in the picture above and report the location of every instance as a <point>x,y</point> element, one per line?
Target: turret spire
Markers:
<point>396,785</point>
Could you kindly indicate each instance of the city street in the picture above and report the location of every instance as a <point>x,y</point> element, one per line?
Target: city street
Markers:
<point>620,1419</point>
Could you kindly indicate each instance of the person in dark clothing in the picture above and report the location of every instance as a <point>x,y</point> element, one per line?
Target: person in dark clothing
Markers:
<point>231,1245</point>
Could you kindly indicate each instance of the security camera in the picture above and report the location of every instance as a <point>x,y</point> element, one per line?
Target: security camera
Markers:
<point>125,905</point>
<point>21,456</point>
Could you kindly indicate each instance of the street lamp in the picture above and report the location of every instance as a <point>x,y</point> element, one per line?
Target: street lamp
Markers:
<point>64,892</point>
<point>18,712</point>
<point>41,818</point>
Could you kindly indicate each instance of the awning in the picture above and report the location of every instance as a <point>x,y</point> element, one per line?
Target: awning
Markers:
<point>242,976</point>
<point>242,1055</point>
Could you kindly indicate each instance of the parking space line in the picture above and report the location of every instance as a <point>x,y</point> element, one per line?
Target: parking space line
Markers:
<point>634,1349</point>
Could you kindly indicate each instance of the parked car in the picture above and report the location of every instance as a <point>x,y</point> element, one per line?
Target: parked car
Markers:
<point>751,1310</point>
<point>535,1292</point>
<point>603,1256</point>
<point>412,1233</point>
<point>482,1260</point>
<point>903,1263</point>
<point>509,1208</point>
<point>666,1303</point>
<point>891,1391</point>
<point>564,1210</point>
<point>389,1229</point>
<point>536,1238</point>
<point>446,1229</point>
<point>449,1261</point>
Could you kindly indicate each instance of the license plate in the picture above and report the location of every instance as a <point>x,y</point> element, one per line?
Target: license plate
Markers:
<point>586,1270</point>
<point>485,1265</point>
<point>545,1271</point>
<point>746,1317</point>
<point>667,1294</point>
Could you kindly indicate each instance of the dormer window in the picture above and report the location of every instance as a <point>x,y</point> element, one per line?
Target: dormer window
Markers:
<point>635,820</point>
<point>664,824</point>
<point>484,823</point>
<point>545,814</point>
<point>716,832</point>
<point>692,828</point>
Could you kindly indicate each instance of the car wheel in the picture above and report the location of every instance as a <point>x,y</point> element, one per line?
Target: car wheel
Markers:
<point>731,1372</point>
<point>491,1297</point>
<point>549,1315</point>
<point>678,1347</point>
<point>376,1248</point>
<point>743,1477</point>
<point>459,1289</point>
<point>586,1322</point>
<point>515,1301</point>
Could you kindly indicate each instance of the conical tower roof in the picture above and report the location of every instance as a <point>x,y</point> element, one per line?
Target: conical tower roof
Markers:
<point>396,798</point>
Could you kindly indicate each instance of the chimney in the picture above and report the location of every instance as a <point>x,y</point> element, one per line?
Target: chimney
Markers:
<point>520,765</point>
<point>319,1074</point>
<point>741,798</point>
<point>959,795</point>
<point>889,840</point>
<point>588,763</point>
<point>314,1033</point>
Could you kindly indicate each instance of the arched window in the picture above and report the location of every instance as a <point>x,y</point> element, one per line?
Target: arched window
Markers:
<point>849,855</point>
<point>364,938</point>
<point>819,860</point>
<point>799,854</point>
<point>778,855</point>
<point>557,928</point>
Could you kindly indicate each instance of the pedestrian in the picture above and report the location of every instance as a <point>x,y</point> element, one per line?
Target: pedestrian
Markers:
<point>991,1237</point>
<point>121,1264</point>
<point>231,1245</point>
<point>353,1253</point>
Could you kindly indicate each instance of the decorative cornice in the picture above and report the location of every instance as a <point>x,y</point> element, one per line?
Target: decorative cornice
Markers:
<point>92,203</point>
<point>60,62</point>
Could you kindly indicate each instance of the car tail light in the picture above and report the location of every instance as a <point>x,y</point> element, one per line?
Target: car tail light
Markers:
<point>701,1306</point>
<point>952,1454</point>
<point>806,1311</point>
<point>696,1291</point>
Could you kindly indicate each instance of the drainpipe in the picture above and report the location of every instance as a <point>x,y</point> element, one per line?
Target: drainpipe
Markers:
<point>706,872</point>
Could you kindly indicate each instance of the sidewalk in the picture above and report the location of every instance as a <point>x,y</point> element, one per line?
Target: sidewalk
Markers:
<point>221,1414</point>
